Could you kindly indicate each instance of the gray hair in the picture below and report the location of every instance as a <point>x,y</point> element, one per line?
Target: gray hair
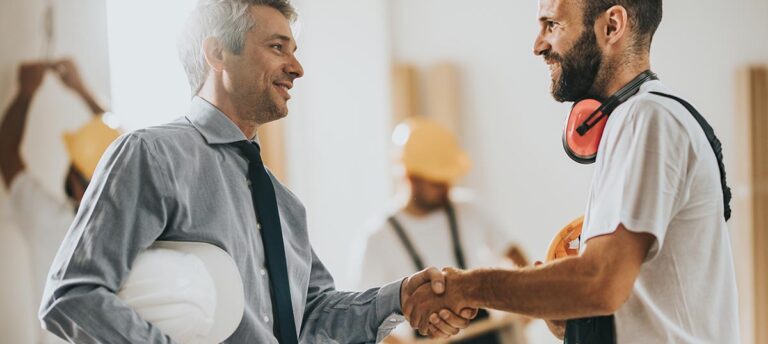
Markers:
<point>226,20</point>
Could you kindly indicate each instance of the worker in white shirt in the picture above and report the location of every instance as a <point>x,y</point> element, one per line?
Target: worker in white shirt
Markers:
<point>42,217</point>
<point>431,229</point>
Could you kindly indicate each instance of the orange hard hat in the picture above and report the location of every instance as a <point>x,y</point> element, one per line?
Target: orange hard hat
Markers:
<point>430,150</point>
<point>86,145</point>
<point>566,242</point>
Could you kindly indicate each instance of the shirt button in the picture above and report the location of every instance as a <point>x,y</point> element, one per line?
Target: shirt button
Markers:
<point>248,182</point>
<point>393,320</point>
<point>266,319</point>
<point>258,226</point>
<point>263,272</point>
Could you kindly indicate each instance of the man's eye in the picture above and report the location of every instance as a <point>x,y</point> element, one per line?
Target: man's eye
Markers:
<point>551,25</point>
<point>277,46</point>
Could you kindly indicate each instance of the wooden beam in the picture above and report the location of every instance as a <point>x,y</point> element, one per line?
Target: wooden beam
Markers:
<point>759,139</point>
<point>405,92</point>
<point>443,96</point>
<point>272,139</point>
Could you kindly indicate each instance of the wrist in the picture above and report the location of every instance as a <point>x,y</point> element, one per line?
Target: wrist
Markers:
<point>82,92</point>
<point>467,285</point>
<point>470,285</point>
<point>25,95</point>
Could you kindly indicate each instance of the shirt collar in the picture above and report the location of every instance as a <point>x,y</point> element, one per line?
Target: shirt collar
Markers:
<point>213,124</point>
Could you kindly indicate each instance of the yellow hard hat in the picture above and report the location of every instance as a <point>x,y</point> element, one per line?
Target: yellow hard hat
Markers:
<point>430,151</point>
<point>566,242</point>
<point>86,145</point>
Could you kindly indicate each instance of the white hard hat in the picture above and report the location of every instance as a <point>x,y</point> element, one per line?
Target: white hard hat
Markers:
<point>191,291</point>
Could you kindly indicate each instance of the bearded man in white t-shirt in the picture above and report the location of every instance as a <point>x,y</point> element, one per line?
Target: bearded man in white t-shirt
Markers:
<point>655,262</point>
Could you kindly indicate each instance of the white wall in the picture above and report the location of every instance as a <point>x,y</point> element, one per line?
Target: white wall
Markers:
<point>338,127</point>
<point>80,29</point>
<point>512,127</point>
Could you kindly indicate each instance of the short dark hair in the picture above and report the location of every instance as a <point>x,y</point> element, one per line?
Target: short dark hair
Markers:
<point>645,16</point>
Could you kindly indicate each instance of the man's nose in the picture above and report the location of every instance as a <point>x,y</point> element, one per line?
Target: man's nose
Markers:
<point>540,46</point>
<point>294,68</point>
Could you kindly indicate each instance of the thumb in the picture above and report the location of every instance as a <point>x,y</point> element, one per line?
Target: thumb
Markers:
<point>537,263</point>
<point>468,313</point>
<point>428,275</point>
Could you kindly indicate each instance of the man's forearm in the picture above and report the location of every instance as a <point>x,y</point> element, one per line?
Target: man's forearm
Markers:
<point>93,105</point>
<point>352,317</point>
<point>11,131</point>
<point>566,289</point>
<point>92,314</point>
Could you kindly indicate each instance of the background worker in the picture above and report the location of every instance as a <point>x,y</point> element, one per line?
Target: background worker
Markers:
<point>43,218</point>
<point>432,229</point>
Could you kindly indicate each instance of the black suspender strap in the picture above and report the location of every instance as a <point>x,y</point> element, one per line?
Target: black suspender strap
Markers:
<point>717,147</point>
<point>458,253</point>
<point>407,243</point>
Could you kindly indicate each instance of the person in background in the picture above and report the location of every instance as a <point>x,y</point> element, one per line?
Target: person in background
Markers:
<point>432,229</point>
<point>42,217</point>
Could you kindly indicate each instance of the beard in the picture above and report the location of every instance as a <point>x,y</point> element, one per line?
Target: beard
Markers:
<point>265,109</point>
<point>429,205</point>
<point>579,69</point>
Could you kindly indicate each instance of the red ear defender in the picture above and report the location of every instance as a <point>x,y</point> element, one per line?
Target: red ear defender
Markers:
<point>586,122</point>
<point>582,147</point>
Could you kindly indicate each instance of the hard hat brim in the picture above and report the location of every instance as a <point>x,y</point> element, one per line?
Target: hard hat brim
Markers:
<point>230,294</point>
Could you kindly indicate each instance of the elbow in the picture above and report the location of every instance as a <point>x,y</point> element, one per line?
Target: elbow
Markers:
<point>48,319</point>
<point>606,303</point>
<point>605,293</point>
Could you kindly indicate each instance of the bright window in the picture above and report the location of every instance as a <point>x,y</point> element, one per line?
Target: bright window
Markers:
<point>148,82</point>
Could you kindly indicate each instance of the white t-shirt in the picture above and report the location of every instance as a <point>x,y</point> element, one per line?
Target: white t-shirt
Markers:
<point>385,259</point>
<point>43,221</point>
<point>657,173</point>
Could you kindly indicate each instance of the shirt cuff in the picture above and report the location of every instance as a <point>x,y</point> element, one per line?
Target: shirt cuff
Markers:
<point>388,309</point>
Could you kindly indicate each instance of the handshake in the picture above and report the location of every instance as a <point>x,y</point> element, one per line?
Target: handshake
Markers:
<point>437,303</point>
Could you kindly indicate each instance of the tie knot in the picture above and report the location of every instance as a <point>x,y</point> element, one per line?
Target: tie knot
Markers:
<point>250,149</point>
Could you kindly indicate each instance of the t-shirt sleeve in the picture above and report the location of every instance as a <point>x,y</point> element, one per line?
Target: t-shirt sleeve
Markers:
<point>640,174</point>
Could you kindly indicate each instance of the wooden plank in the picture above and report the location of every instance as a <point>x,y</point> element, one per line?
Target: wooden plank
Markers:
<point>443,95</point>
<point>405,93</point>
<point>272,139</point>
<point>759,139</point>
<point>510,327</point>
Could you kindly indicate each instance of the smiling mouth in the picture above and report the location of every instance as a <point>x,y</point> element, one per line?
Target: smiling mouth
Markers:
<point>554,69</point>
<point>283,88</point>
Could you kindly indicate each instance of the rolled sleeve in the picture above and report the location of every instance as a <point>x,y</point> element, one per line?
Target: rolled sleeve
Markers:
<point>388,308</point>
<point>348,317</point>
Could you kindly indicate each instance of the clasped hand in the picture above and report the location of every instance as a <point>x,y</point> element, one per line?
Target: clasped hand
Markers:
<point>433,303</point>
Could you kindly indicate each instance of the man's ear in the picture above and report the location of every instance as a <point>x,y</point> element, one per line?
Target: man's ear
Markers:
<point>611,26</point>
<point>214,54</point>
<point>616,24</point>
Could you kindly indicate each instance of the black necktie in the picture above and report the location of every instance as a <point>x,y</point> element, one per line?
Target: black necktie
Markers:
<point>265,203</point>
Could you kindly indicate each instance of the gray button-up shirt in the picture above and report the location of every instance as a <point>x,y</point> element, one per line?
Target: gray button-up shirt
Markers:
<point>184,182</point>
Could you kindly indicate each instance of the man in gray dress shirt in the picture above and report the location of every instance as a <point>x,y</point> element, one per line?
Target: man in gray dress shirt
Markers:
<point>185,181</point>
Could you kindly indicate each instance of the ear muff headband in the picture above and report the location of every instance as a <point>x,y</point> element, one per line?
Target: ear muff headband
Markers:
<point>586,121</point>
